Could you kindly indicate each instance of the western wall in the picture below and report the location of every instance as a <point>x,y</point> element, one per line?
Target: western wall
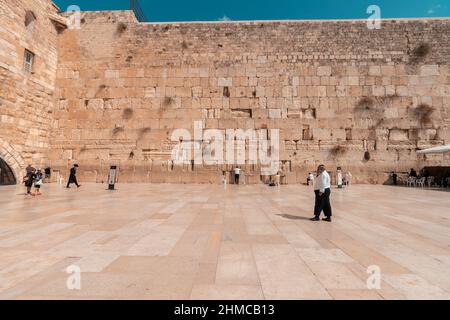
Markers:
<point>113,91</point>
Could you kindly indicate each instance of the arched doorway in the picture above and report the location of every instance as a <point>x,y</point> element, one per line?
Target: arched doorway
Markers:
<point>6,174</point>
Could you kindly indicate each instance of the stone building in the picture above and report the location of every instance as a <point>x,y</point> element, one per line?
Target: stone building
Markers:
<point>112,92</point>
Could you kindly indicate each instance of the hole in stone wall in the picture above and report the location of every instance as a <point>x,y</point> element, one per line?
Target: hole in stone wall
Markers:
<point>226,92</point>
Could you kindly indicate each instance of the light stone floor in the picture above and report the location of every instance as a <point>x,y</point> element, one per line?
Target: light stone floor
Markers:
<point>148,241</point>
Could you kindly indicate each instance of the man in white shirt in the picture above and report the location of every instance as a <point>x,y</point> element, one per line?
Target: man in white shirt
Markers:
<point>322,189</point>
<point>237,173</point>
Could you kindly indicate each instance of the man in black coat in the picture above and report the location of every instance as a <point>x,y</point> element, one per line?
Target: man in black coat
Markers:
<point>73,177</point>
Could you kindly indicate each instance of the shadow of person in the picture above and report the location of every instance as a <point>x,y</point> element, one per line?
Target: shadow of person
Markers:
<point>292,217</point>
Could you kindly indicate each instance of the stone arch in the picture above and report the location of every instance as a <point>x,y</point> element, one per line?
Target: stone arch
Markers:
<point>13,159</point>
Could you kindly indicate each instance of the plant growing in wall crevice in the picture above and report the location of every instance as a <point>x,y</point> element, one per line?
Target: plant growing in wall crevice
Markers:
<point>118,130</point>
<point>121,28</point>
<point>127,114</point>
<point>420,53</point>
<point>143,132</point>
<point>338,151</point>
<point>423,113</point>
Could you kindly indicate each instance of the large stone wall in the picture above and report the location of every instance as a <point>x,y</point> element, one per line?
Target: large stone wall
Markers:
<point>26,99</point>
<point>336,90</point>
<point>339,93</point>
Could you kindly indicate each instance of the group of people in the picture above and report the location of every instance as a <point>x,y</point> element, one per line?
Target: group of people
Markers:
<point>37,177</point>
<point>341,179</point>
<point>441,179</point>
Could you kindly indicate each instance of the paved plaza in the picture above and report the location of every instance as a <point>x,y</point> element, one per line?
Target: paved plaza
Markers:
<point>149,241</point>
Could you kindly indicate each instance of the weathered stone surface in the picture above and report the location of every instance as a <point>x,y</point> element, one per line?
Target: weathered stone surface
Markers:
<point>100,97</point>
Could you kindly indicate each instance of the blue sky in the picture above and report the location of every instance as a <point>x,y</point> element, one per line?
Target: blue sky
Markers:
<point>207,10</point>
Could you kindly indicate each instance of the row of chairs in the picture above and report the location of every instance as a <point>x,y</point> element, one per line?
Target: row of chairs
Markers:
<point>420,182</point>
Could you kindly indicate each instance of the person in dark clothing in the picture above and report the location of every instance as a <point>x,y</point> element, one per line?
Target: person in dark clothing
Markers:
<point>413,173</point>
<point>394,178</point>
<point>48,174</point>
<point>29,179</point>
<point>73,177</point>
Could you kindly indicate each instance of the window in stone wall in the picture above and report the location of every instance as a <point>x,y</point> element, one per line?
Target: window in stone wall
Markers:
<point>30,20</point>
<point>28,61</point>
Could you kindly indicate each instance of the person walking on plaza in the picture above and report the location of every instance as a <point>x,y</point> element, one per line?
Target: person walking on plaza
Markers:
<point>322,190</point>
<point>29,178</point>
<point>73,177</point>
<point>237,173</point>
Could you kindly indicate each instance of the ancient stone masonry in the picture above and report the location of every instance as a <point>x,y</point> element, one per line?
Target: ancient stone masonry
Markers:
<point>26,98</point>
<point>339,93</point>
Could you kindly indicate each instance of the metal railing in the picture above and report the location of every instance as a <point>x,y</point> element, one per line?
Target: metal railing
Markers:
<point>138,11</point>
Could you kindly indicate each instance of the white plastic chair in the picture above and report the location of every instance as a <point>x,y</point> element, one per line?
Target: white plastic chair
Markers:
<point>430,182</point>
<point>420,182</point>
<point>411,182</point>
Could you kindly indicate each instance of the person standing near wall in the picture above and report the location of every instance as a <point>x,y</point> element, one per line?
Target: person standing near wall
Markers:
<point>73,177</point>
<point>322,190</point>
<point>237,173</point>
<point>339,178</point>
<point>38,182</point>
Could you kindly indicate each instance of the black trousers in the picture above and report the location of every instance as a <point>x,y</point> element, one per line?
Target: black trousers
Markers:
<point>236,178</point>
<point>72,179</point>
<point>323,203</point>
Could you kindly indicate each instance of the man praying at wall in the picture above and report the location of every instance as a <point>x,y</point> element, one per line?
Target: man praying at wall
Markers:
<point>237,173</point>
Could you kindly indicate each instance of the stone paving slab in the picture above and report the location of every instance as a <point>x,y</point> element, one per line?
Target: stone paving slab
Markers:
<point>149,241</point>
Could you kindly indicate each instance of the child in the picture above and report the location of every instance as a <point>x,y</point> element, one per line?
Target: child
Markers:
<point>38,182</point>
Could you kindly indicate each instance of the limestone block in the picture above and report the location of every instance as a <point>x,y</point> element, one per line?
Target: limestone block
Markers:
<point>398,135</point>
<point>225,82</point>
<point>429,70</point>
<point>324,71</point>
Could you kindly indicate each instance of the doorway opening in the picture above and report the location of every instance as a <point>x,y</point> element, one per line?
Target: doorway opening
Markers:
<point>6,174</point>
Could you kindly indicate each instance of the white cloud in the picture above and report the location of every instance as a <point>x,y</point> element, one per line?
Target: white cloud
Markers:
<point>434,8</point>
<point>224,18</point>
